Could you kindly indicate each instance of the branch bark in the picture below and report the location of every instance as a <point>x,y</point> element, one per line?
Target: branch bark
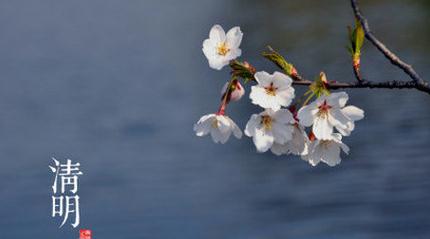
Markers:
<point>417,82</point>
<point>371,85</point>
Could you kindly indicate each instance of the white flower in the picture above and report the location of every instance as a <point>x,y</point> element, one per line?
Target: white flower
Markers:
<point>327,151</point>
<point>219,126</point>
<point>328,112</point>
<point>272,91</point>
<point>298,145</point>
<point>237,93</point>
<point>270,127</point>
<point>221,48</point>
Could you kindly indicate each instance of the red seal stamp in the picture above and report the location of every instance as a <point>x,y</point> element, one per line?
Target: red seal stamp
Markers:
<point>85,234</point>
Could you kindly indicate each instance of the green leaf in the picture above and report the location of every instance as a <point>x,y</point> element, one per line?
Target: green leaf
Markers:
<point>279,60</point>
<point>356,38</point>
<point>318,87</point>
<point>359,36</point>
<point>243,70</point>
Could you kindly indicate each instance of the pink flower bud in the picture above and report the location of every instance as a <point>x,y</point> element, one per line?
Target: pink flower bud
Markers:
<point>237,92</point>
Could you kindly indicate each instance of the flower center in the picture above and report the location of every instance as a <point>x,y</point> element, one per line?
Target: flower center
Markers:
<point>266,121</point>
<point>325,143</point>
<point>323,109</point>
<point>215,124</point>
<point>271,90</point>
<point>222,49</point>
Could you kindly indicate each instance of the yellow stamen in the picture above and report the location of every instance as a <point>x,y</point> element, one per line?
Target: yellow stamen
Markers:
<point>323,109</point>
<point>222,49</point>
<point>271,90</point>
<point>325,143</point>
<point>215,124</point>
<point>266,121</point>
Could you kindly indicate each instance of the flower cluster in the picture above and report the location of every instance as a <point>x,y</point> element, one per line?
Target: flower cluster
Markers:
<point>309,132</point>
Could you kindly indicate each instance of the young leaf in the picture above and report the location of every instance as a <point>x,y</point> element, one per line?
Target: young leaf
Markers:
<point>279,60</point>
<point>359,36</point>
<point>319,86</point>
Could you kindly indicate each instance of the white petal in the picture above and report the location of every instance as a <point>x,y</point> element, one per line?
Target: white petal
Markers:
<point>322,129</point>
<point>269,112</point>
<point>234,37</point>
<point>202,129</point>
<point>315,154</point>
<point>346,131</point>
<point>217,34</point>
<point>353,112</point>
<point>279,149</point>
<point>331,154</point>
<point>285,96</point>
<point>233,54</point>
<point>319,101</point>
<point>259,97</point>
<point>252,124</point>
<point>340,121</point>
<point>263,78</point>
<point>281,81</point>
<point>283,116</point>
<point>203,126</point>
<point>218,62</point>
<point>236,130</point>
<point>209,49</point>
<point>307,113</point>
<point>263,140</point>
<point>224,123</point>
<point>336,137</point>
<point>218,136</point>
<point>257,93</point>
<point>344,147</point>
<point>281,132</point>
<point>298,145</point>
<point>338,99</point>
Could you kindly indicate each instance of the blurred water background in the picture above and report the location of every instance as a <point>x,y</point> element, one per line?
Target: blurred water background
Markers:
<point>118,85</point>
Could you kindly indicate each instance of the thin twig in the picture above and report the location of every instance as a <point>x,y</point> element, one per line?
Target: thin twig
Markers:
<point>299,80</point>
<point>367,84</point>
<point>357,73</point>
<point>394,59</point>
<point>416,83</point>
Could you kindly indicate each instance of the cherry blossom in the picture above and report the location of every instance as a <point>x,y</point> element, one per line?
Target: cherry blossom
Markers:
<point>270,127</point>
<point>298,145</point>
<point>327,151</point>
<point>219,126</point>
<point>327,112</point>
<point>273,91</point>
<point>283,131</point>
<point>220,48</point>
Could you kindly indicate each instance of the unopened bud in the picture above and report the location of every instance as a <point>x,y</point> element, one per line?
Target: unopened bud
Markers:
<point>249,67</point>
<point>356,62</point>
<point>236,92</point>
<point>293,72</point>
<point>323,78</point>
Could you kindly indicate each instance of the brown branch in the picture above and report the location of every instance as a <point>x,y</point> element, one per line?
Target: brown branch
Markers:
<point>416,83</point>
<point>357,74</point>
<point>394,59</point>
<point>371,85</point>
<point>245,73</point>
